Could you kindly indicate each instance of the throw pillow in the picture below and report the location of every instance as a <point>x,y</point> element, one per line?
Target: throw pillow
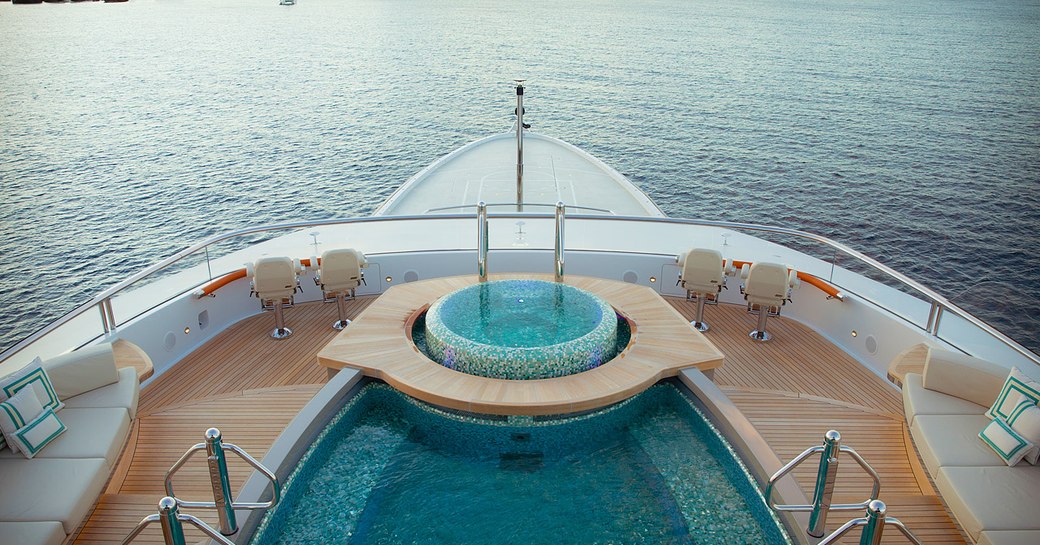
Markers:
<point>35,376</point>
<point>1010,446</point>
<point>1016,386</point>
<point>1025,420</point>
<point>16,412</point>
<point>37,434</point>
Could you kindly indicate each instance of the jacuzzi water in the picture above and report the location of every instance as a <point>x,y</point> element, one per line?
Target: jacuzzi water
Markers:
<point>521,329</point>
<point>390,470</point>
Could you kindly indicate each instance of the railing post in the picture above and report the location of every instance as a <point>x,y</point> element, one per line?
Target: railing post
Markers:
<point>519,145</point>
<point>875,526</point>
<point>482,241</point>
<point>561,211</point>
<point>938,320</point>
<point>104,318</point>
<point>218,477</point>
<point>824,488</point>
<point>169,519</point>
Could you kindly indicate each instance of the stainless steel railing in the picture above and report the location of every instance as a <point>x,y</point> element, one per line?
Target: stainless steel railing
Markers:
<point>169,515</point>
<point>939,304</point>
<point>873,524</point>
<point>218,473</point>
<point>824,488</point>
<point>172,522</point>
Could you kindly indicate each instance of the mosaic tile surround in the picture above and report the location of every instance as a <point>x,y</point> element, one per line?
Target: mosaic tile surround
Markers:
<point>521,329</point>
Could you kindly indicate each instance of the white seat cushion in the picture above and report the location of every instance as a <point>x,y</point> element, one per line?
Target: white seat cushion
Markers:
<point>1009,537</point>
<point>992,498</point>
<point>952,440</point>
<point>82,370</point>
<point>90,433</point>
<point>121,394</point>
<point>62,490</point>
<point>32,533</point>
<point>918,400</point>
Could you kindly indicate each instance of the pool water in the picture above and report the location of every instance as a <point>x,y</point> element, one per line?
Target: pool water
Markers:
<point>521,329</point>
<point>391,470</point>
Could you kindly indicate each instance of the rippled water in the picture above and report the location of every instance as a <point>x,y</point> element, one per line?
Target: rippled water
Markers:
<point>909,130</point>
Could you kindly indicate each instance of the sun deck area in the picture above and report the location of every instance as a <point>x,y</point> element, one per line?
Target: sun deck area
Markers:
<point>792,390</point>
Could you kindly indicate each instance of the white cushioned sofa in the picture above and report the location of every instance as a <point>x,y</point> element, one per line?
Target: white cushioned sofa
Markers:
<point>44,499</point>
<point>945,408</point>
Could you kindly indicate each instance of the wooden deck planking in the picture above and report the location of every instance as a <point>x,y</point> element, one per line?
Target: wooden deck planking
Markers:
<point>243,357</point>
<point>262,383</point>
<point>796,360</point>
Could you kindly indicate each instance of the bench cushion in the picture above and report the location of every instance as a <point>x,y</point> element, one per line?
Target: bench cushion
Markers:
<point>89,433</point>
<point>973,379</point>
<point>32,533</point>
<point>918,400</point>
<point>992,498</point>
<point>121,394</point>
<point>48,489</point>
<point>1009,537</point>
<point>81,371</point>
<point>952,440</point>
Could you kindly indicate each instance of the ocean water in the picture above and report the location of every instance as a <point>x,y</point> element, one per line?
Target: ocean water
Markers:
<point>908,130</point>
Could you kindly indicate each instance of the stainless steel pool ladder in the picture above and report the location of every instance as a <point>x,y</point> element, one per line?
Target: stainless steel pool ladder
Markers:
<point>172,522</point>
<point>824,489</point>
<point>873,526</point>
<point>169,515</point>
<point>876,512</point>
<point>482,242</point>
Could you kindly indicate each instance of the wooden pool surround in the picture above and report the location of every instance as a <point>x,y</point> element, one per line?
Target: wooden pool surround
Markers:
<point>379,343</point>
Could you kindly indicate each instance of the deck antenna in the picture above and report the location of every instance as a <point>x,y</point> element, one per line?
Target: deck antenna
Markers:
<point>519,145</point>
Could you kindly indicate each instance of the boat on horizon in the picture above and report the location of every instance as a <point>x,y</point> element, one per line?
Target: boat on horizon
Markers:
<point>838,341</point>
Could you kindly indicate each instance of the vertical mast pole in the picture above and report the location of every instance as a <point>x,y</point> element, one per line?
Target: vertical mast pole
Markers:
<point>519,145</point>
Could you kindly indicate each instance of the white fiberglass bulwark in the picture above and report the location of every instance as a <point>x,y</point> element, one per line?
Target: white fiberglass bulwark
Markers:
<point>485,170</point>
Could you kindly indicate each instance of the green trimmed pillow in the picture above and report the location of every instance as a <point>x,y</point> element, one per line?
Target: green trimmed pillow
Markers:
<point>1025,420</point>
<point>31,375</point>
<point>1010,446</point>
<point>16,412</point>
<point>37,434</point>
<point>1017,386</point>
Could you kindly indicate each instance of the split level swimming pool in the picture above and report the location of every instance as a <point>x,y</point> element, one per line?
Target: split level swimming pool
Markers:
<point>392,470</point>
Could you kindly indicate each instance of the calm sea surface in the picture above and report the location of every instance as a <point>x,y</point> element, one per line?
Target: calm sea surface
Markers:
<point>907,129</point>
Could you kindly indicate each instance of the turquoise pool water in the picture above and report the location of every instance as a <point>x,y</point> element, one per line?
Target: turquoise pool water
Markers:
<point>521,329</point>
<point>390,470</point>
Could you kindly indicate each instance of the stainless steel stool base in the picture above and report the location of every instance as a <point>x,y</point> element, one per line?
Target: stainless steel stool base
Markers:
<point>338,325</point>
<point>760,336</point>
<point>701,326</point>
<point>281,333</point>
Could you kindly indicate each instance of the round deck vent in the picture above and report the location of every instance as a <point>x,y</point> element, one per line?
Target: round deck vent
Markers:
<point>871,343</point>
<point>411,276</point>
<point>169,341</point>
<point>631,277</point>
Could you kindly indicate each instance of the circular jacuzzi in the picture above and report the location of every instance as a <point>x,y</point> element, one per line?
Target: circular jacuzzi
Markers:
<point>521,329</point>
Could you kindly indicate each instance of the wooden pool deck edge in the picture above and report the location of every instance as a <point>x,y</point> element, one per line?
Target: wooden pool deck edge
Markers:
<point>379,343</point>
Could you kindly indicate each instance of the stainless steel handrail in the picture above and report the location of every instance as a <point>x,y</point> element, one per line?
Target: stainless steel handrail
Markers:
<point>941,303</point>
<point>171,519</point>
<point>561,212</point>
<point>824,487</point>
<point>221,484</point>
<point>511,204</point>
<point>873,524</point>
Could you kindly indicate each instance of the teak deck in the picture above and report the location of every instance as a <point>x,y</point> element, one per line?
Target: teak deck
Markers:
<point>792,389</point>
<point>663,342</point>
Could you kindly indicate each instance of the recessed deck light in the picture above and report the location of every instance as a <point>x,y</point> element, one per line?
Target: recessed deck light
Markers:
<point>653,279</point>
<point>187,330</point>
<point>854,334</point>
<point>389,279</point>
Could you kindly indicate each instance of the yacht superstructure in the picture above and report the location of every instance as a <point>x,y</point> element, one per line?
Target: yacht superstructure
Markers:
<point>503,202</point>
